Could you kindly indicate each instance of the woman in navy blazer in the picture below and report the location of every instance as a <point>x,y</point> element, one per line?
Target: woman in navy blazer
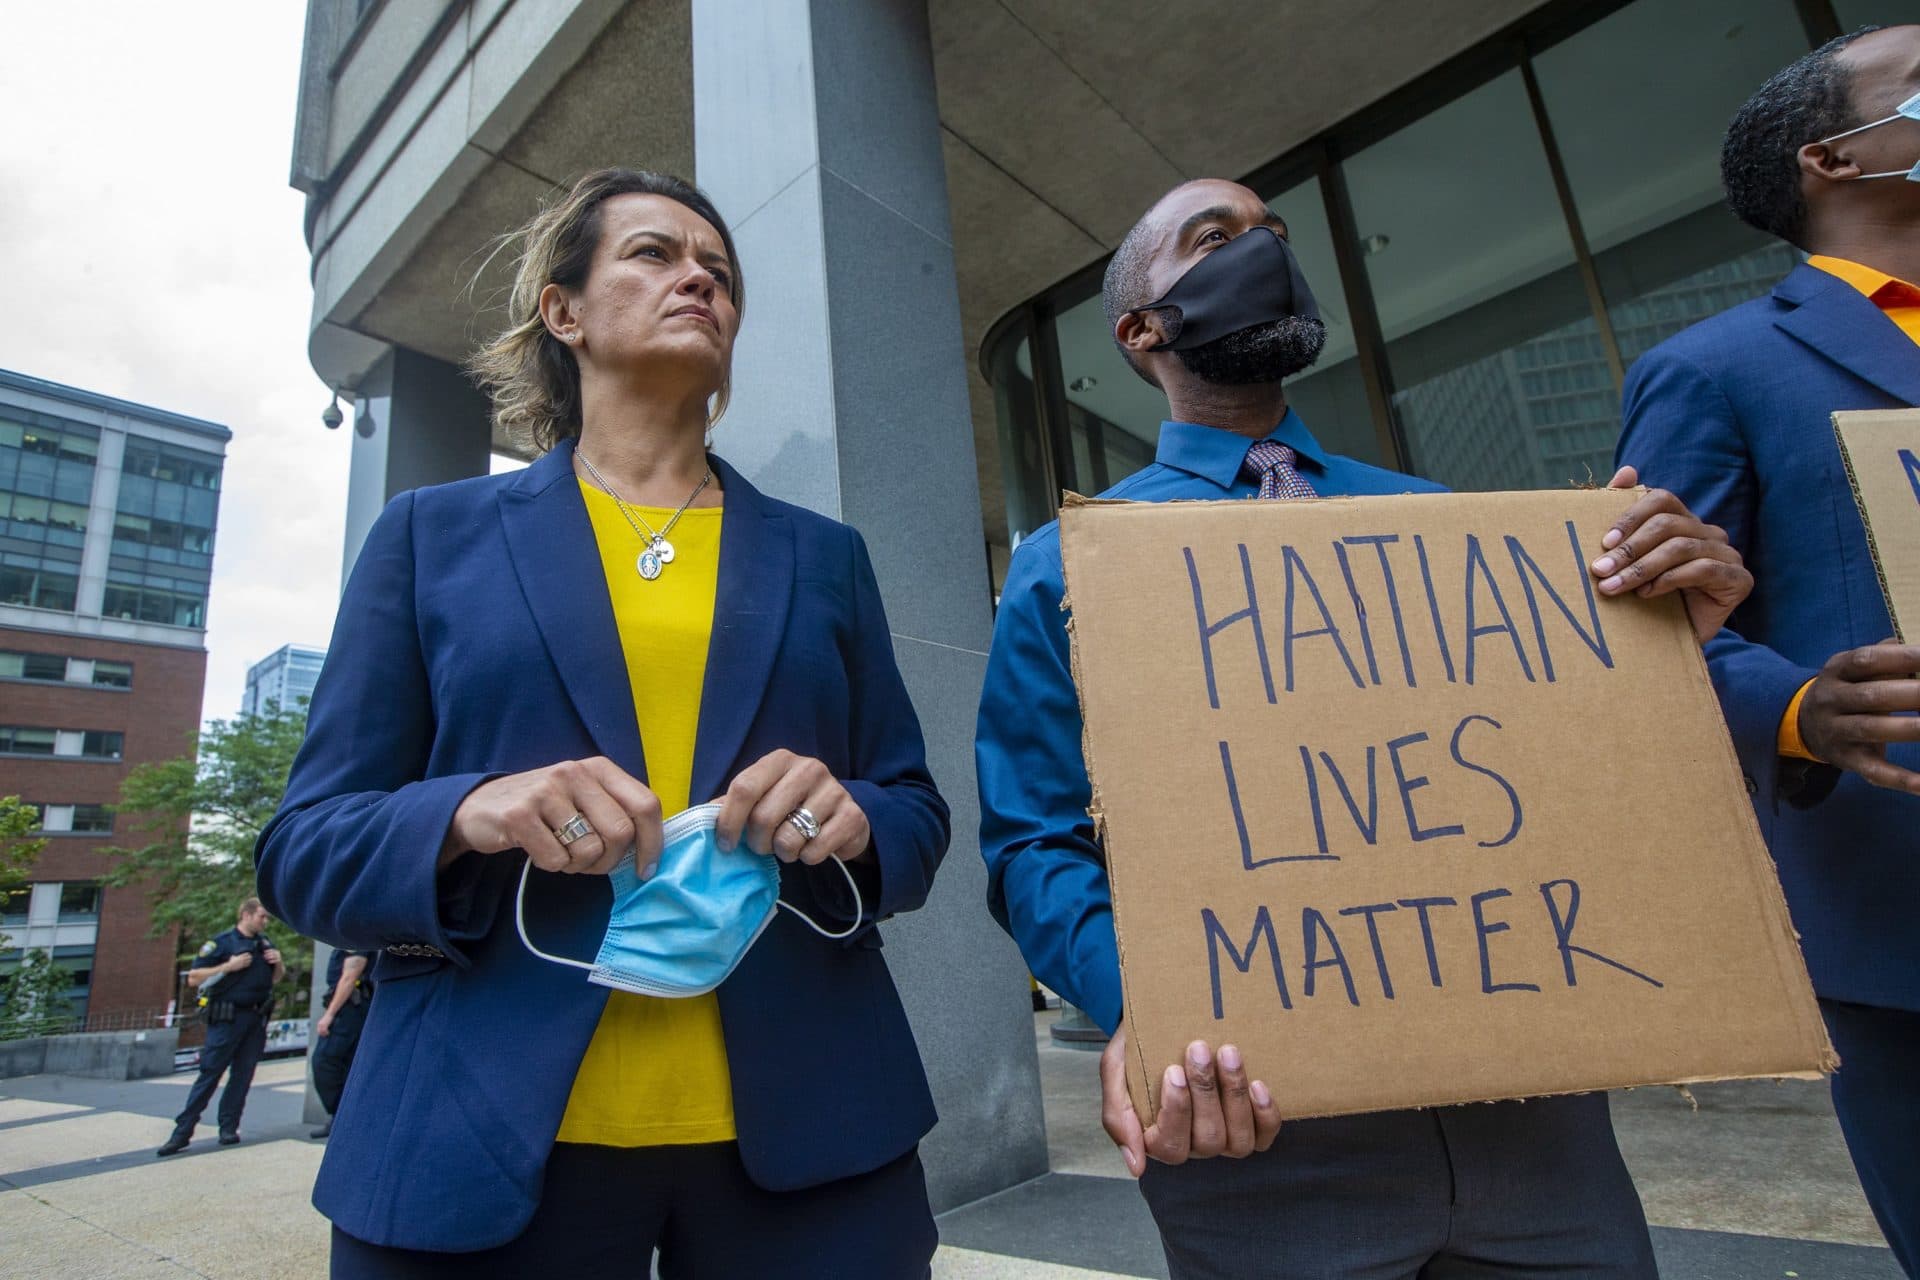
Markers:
<point>476,698</point>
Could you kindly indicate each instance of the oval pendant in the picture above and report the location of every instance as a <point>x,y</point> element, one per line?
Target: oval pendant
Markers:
<point>663,549</point>
<point>649,565</point>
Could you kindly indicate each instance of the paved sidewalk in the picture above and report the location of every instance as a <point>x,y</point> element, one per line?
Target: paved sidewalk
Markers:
<point>1753,1185</point>
<point>81,1194</point>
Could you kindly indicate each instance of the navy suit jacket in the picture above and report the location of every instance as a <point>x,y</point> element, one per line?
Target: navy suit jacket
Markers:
<point>476,638</point>
<point>1732,415</point>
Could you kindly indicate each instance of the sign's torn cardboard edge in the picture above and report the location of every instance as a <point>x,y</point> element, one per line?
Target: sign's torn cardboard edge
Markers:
<point>1073,502</point>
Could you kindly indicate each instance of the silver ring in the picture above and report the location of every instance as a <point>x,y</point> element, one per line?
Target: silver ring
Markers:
<point>575,828</point>
<point>803,821</point>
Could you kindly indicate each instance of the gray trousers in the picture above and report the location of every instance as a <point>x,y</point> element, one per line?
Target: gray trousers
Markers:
<point>1506,1189</point>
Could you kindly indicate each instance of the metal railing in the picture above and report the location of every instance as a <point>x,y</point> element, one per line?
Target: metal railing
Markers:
<point>62,1024</point>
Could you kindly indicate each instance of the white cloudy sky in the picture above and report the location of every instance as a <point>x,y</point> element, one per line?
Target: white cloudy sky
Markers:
<point>151,249</point>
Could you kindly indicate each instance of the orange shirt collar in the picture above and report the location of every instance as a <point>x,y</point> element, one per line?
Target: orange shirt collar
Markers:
<point>1872,283</point>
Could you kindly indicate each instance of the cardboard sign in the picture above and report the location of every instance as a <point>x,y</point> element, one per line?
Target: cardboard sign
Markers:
<point>1396,802</point>
<point>1882,452</point>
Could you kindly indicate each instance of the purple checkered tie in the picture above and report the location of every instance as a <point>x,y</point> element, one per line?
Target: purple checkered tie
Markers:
<point>1272,464</point>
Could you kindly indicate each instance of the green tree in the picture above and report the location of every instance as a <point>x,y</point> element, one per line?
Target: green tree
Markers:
<point>19,846</point>
<point>35,998</point>
<point>201,814</point>
<point>20,842</point>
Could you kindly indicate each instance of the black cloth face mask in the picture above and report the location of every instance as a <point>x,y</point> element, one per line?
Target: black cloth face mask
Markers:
<point>1252,279</point>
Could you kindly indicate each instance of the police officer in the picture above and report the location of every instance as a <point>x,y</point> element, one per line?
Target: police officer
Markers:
<point>337,1034</point>
<point>235,973</point>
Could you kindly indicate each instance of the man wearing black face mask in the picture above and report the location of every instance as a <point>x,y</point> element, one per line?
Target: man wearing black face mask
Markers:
<point>1208,303</point>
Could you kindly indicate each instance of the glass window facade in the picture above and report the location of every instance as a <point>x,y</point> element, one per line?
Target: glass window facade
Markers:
<point>113,675</point>
<point>26,741</point>
<point>55,668</point>
<point>74,819</point>
<point>87,744</point>
<point>76,962</point>
<point>79,900</point>
<point>92,819</point>
<point>1854,14</point>
<point>46,481</point>
<point>33,666</point>
<point>1491,247</point>
<point>163,535</point>
<point>102,744</point>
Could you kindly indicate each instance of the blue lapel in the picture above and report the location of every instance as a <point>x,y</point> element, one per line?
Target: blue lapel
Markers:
<point>749,622</point>
<point>551,542</point>
<point>1842,324</point>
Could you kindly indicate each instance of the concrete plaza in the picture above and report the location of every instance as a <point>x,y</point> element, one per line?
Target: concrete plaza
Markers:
<point>1753,1184</point>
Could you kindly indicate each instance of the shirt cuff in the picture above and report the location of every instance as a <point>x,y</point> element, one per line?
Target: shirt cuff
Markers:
<point>1790,743</point>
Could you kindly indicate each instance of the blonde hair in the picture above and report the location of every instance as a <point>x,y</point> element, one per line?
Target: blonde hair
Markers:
<point>530,375</point>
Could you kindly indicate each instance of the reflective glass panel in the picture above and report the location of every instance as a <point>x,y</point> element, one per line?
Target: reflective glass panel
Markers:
<point>1331,397</point>
<point>1113,413</point>
<point>1023,469</point>
<point>1854,14</point>
<point>92,818</point>
<point>1472,271</point>
<point>115,675</point>
<point>1639,104</point>
<point>79,900</point>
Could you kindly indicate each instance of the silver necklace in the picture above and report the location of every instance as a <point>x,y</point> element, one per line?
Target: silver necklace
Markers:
<point>657,554</point>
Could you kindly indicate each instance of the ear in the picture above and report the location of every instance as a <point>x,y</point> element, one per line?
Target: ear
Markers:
<point>1141,331</point>
<point>1828,162</point>
<point>556,310</point>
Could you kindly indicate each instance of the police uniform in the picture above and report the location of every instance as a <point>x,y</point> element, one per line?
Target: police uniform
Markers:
<point>236,1006</point>
<point>332,1054</point>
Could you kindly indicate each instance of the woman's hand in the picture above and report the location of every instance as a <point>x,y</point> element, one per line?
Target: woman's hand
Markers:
<point>524,810</point>
<point>768,791</point>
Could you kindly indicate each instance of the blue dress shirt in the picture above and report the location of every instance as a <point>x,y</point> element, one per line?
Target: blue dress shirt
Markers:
<point>1046,875</point>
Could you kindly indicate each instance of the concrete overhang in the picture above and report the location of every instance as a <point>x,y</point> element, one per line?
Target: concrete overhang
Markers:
<point>1061,121</point>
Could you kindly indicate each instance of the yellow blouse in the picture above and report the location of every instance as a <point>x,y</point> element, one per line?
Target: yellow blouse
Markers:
<point>655,1073</point>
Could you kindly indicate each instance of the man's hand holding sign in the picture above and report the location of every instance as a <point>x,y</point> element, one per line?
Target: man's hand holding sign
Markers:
<point>1208,1104</point>
<point>1865,698</point>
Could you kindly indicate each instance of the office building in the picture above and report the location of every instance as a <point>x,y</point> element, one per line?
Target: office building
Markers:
<point>107,519</point>
<point>284,678</point>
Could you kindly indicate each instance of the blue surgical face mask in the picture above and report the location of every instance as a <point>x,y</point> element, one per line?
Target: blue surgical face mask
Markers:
<point>680,929</point>
<point>1908,110</point>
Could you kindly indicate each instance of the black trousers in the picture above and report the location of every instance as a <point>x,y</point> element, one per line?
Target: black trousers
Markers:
<point>605,1210</point>
<point>1504,1189</point>
<point>332,1054</point>
<point>232,1047</point>
<point>1876,1094</point>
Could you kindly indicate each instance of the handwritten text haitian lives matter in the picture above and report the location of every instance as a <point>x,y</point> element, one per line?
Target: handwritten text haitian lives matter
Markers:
<point>1505,603</point>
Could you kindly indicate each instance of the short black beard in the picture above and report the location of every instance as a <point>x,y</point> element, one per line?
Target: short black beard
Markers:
<point>1259,353</point>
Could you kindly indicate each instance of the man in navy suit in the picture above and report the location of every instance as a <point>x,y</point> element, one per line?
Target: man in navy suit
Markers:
<point>1733,415</point>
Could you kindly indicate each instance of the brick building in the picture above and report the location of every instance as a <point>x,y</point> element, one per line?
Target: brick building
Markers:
<point>107,515</point>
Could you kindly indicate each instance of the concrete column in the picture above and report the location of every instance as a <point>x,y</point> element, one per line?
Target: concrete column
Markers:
<point>416,421</point>
<point>817,134</point>
<point>102,506</point>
